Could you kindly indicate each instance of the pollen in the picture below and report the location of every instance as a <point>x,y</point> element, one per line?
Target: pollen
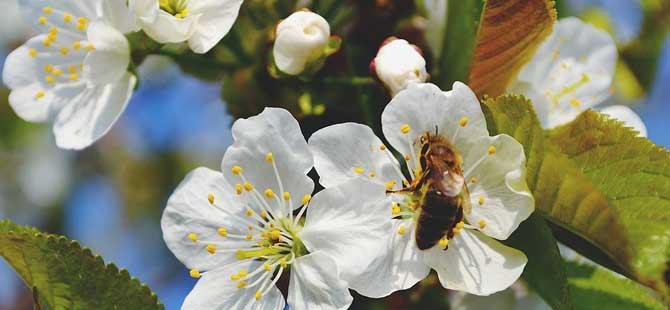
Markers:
<point>575,102</point>
<point>32,52</point>
<point>306,199</point>
<point>463,121</point>
<point>222,232</point>
<point>359,170</point>
<point>211,248</point>
<point>443,243</point>
<point>249,237</point>
<point>67,18</point>
<point>267,267</point>
<point>64,51</point>
<point>53,30</point>
<point>248,187</point>
<point>402,230</point>
<point>235,277</point>
<point>72,69</point>
<point>194,273</point>
<point>258,295</point>
<point>239,188</point>
<point>56,71</point>
<point>242,284</point>
<point>473,180</point>
<point>283,262</point>
<point>249,212</point>
<point>74,77</point>
<point>264,214</point>
<point>192,236</point>
<point>47,42</point>
<point>275,234</point>
<point>287,196</point>
<point>269,193</point>
<point>243,273</point>
<point>39,95</point>
<point>42,20</point>
<point>50,79</point>
<point>389,185</point>
<point>460,225</point>
<point>395,208</point>
<point>405,129</point>
<point>481,200</point>
<point>236,170</point>
<point>89,47</point>
<point>269,157</point>
<point>372,174</point>
<point>382,147</point>
<point>482,224</point>
<point>492,150</point>
<point>47,10</point>
<point>76,45</point>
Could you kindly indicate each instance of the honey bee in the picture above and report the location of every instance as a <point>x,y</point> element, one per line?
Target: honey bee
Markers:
<point>444,196</point>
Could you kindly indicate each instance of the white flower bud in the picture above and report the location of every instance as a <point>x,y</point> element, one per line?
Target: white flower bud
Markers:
<point>301,39</point>
<point>398,64</point>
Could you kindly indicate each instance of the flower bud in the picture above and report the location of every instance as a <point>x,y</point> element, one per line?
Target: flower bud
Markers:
<point>398,64</point>
<point>301,39</point>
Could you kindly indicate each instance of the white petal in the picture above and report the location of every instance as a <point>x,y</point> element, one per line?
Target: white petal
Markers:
<point>341,148</point>
<point>215,290</point>
<point>108,63</point>
<point>89,113</point>
<point>28,107</point>
<point>20,69</point>
<point>476,264</point>
<point>399,267</point>
<point>627,116</point>
<point>216,20</point>
<point>300,38</point>
<point>119,15</point>
<point>315,284</point>
<point>189,211</point>
<point>165,28</point>
<point>145,10</point>
<point>572,69</point>
<point>273,131</point>
<point>500,198</point>
<point>425,108</point>
<point>348,222</point>
<point>33,9</point>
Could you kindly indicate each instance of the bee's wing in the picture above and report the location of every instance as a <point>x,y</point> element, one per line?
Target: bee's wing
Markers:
<point>465,196</point>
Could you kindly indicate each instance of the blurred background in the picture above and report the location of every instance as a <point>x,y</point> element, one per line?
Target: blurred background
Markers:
<point>110,197</point>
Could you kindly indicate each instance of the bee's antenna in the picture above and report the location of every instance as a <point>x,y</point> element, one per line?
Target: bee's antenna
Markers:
<point>436,130</point>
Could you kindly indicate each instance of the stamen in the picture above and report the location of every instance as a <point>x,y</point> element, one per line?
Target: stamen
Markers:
<point>269,157</point>
<point>210,198</point>
<point>463,121</point>
<point>236,170</point>
<point>269,193</point>
<point>401,230</point>
<point>481,200</point>
<point>482,224</point>
<point>359,170</point>
<point>492,150</point>
<point>443,243</point>
<point>192,236</point>
<point>287,196</point>
<point>32,52</point>
<point>211,248</point>
<point>382,147</point>
<point>390,185</point>
<point>47,10</point>
<point>194,273</point>
<point>223,232</point>
<point>67,17</point>
<point>395,209</point>
<point>405,129</point>
<point>239,189</point>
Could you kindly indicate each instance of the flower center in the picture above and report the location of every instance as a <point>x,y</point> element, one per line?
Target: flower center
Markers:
<point>177,8</point>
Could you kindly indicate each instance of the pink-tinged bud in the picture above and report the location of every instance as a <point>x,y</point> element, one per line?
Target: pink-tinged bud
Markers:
<point>398,64</point>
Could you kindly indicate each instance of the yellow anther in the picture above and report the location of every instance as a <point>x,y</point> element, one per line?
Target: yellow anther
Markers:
<point>194,273</point>
<point>407,157</point>
<point>402,230</point>
<point>248,187</point>
<point>243,273</point>
<point>73,69</point>
<point>74,77</point>
<point>287,196</point>
<point>359,170</point>
<point>48,68</point>
<point>443,243</point>
<point>192,236</point>
<point>372,174</point>
<point>389,185</point>
<point>249,212</point>
<point>306,199</point>
<point>82,20</point>
<point>211,248</point>
<point>50,79</point>
<point>249,237</point>
<point>235,277</point>
<point>283,263</point>
<point>463,121</point>
<point>395,209</point>
<point>269,157</point>
<point>473,180</point>
<point>39,95</point>
<point>67,18</point>
<point>42,20</point>
<point>258,295</point>
<point>236,170</point>
<point>32,52</point>
<point>267,267</point>
<point>382,147</point>
<point>64,51</point>
<point>405,129</point>
<point>269,193</point>
<point>481,200</point>
<point>460,225</point>
<point>575,102</point>
<point>89,47</point>
<point>47,42</point>
<point>242,284</point>
<point>239,188</point>
<point>482,224</point>
<point>56,71</point>
<point>249,227</point>
<point>81,27</point>
<point>275,234</point>
<point>456,231</point>
<point>53,30</point>
<point>264,214</point>
<point>223,232</point>
<point>492,150</point>
<point>47,10</point>
<point>76,45</point>
<point>52,37</point>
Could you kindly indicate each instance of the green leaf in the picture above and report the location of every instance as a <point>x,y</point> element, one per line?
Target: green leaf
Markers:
<point>545,273</point>
<point>597,288</point>
<point>64,275</point>
<point>634,175</point>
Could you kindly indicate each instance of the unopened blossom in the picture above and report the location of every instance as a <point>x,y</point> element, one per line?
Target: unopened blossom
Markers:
<point>237,232</point>
<point>75,72</point>
<point>572,71</point>
<point>398,64</point>
<point>301,40</point>
<point>493,171</point>
<point>201,23</point>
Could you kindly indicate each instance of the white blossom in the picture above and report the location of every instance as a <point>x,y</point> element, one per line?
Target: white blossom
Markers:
<point>301,39</point>
<point>237,230</point>
<point>398,64</point>
<point>74,74</point>
<point>202,23</point>
<point>494,172</point>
